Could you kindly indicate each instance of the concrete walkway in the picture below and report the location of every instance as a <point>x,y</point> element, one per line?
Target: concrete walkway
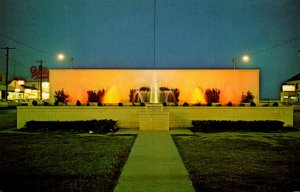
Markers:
<point>154,164</point>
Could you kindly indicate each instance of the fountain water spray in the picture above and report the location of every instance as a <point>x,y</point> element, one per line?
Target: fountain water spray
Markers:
<point>154,90</point>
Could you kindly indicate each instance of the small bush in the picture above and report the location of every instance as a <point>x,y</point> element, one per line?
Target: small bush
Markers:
<point>34,103</point>
<point>164,104</point>
<point>252,104</point>
<point>229,103</point>
<point>185,104</point>
<point>120,104</point>
<point>231,126</point>
<point>97,126</point>
<point>275,104</point>
<point>78,103</point>
<point>99,103</point>
<point>56,103</point>
<point>209,104</point>
<point>143,104</point>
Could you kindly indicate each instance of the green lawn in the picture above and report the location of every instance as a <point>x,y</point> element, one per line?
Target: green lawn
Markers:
<point>242,161</point>
<point>61,161</point>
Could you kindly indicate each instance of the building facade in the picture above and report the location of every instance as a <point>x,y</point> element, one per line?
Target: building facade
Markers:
<point>191,83</point>
<point>290,92</point>
<point>28,90</point>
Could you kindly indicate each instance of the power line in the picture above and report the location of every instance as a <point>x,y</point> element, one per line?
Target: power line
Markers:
<point>24,44</point>
<point>276,45</point>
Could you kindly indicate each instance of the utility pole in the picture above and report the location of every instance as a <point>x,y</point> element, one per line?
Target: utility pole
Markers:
<point>6,77</point>
<point>154,34</point>
<point>41,77</point>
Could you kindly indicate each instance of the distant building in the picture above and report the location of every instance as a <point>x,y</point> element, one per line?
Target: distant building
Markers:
<point>22,90</point>
<point>290,92</point>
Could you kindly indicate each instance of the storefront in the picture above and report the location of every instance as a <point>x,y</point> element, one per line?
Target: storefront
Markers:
<point>290,92</point>
<point>22,90</point>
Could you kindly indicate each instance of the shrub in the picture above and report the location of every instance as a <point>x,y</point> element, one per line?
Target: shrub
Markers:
<point>34,103</point>
<point>97,126</point>
<point>275,104</point>
<point>78,103</point>
<point>212,95</point>
<point>120,104</point>
<point>185,104</point>
<point>250,126</point>
<point>99,103</point>
<point>252,104</point>
<point>56,103</point>
<point>209,104</point>
<point>229,103</point>
<point>164,103</point>
<point>46,103</point>
<point>142,104</point>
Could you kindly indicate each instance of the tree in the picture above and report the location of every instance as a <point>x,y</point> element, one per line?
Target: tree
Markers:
<point>212,95</point>
<point>248,97</point>
<point>60,96</point>
<point>92,96</point>
<point>96,97</point>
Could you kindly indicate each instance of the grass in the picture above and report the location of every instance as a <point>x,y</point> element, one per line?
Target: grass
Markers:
<point>242,161</point>
<point>8,118</point>
<point>61,161</point>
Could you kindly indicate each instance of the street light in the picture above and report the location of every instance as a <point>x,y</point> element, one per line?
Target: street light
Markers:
<point>244,58</point>
<point>62,57</point>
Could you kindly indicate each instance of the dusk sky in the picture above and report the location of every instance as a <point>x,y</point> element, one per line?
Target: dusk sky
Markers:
<point>201,34</point>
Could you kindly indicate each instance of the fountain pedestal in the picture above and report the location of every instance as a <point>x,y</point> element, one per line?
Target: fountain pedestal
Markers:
<point>154,118</point>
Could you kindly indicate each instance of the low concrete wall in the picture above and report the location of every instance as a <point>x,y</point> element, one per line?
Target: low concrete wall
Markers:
<point>128,116</point>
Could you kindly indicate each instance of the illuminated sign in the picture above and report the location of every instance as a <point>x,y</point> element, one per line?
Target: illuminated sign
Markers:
<point>287,88</point>
<point>36,73</point>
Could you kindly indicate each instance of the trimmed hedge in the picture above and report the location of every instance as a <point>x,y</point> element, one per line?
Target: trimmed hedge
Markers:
<point>231,126</point>
<point>96,126</point>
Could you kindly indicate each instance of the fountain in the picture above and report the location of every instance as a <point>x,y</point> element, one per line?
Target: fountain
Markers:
<point>154,90</point>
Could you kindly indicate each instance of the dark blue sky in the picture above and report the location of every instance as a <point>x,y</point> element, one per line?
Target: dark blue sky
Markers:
<point>189,34</point>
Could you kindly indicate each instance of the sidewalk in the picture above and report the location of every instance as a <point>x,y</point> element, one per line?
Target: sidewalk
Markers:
<point>154,164</point>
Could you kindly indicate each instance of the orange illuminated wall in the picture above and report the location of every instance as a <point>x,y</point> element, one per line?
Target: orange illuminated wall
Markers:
<point>192,83</point>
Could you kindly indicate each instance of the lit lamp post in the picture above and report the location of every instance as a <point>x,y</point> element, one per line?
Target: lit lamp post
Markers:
<point>244,58</point>
<point>62,57</point>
